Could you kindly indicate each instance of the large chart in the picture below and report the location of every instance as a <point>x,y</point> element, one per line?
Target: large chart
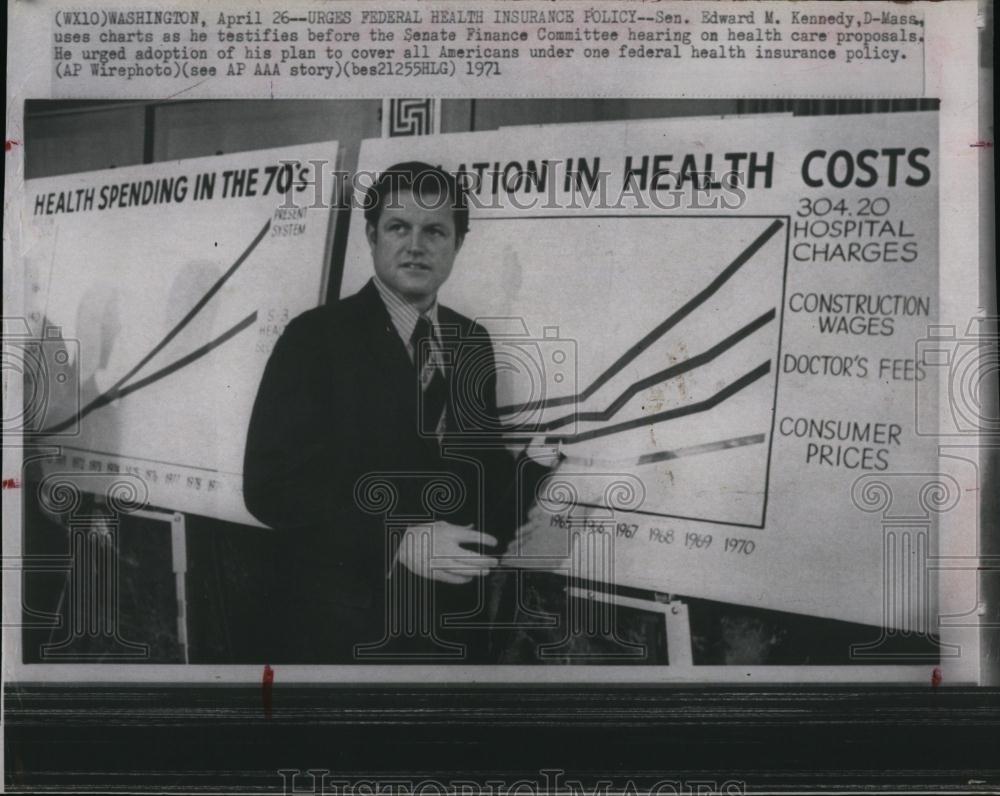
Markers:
<point>728,365</point>
<point>155,292</point>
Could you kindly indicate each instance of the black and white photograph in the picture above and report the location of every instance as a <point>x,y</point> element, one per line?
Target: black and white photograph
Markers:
<point>530,393</point>
<point>475,367</point>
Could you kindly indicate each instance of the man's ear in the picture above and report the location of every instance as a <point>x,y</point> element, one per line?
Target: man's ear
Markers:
<point>371,234</point>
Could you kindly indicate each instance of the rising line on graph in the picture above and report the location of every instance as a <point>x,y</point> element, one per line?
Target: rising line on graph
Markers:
<point>668,455</point>
<point>115,389</point>
<point>655,334</point>
<point>187,359</point>
<point>670,414</point>
<point>110,395</point>
<point>689,364</point>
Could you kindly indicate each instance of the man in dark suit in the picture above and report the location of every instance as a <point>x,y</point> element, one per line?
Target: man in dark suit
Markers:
<point>374,442</point>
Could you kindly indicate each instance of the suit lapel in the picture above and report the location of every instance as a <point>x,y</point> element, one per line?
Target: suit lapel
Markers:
<point>395,373</point>
<point>379,334</point>
<point>453,335</point>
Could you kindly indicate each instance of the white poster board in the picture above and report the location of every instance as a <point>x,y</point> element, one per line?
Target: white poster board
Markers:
<point>722,368</point>
<point>155,289</point>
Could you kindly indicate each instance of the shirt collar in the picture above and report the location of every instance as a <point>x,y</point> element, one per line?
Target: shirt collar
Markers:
<point>403,315</point>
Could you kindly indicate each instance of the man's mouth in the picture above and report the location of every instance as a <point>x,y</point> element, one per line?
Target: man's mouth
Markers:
<point>415,266</point>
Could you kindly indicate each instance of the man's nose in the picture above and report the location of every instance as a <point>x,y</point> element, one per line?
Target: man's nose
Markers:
<point>416,241</point>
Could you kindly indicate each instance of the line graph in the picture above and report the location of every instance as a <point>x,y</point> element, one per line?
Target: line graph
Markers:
<point>633,352</point>
<point>669,414</point>
<point>684,401</point>
<point>120,388</point>
<point>161,317</point>
<point>657,378</point>
<point>668,455</point>
<point>185,360</point>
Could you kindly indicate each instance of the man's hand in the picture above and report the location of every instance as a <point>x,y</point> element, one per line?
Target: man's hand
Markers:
<point>436,551</point>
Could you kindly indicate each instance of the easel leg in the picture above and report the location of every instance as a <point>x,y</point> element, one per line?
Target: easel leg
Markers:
<point>678,634</point>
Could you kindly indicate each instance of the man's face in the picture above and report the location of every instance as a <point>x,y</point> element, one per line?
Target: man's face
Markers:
<point>414,246</point>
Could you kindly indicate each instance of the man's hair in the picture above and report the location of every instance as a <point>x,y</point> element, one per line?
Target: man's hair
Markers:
<point>424,181</point>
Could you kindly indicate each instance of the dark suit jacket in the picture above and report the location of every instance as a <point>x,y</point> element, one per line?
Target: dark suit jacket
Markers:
<point>334,460</point>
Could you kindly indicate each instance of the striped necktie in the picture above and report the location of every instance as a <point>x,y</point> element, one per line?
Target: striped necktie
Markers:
<point>433,387</point>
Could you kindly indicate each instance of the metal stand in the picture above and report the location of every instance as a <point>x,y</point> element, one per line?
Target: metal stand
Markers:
<point>675,614</point>
<point>178,553</point>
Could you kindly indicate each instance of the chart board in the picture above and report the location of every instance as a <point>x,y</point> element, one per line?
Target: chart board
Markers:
<point>724,364</point>
<point>157,292</point>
